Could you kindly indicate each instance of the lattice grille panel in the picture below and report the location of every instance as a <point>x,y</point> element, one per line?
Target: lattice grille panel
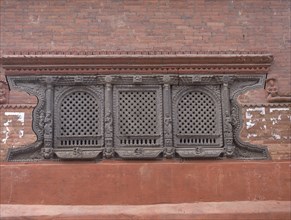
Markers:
<point>197,141</point>
<point>80,142</point>
<point>138,113</point>
<point>196,114</point>
<point>79,115</point>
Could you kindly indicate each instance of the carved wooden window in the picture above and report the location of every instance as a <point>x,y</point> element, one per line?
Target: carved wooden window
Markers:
<point>138,115</point>
<point>197,118</point>
<point>144,105</point>
<point>78,118</point>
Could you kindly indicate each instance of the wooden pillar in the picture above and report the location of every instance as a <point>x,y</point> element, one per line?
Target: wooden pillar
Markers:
<point>168,131</point>
<point>108,150</point>
<point>47,151</point>
<point>227,125</point>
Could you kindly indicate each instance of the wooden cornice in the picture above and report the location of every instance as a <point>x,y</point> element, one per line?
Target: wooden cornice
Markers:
<point>134,62</point>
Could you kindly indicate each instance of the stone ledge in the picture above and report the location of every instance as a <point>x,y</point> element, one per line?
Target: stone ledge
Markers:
<point>207,210</point>
<point>144,182</point>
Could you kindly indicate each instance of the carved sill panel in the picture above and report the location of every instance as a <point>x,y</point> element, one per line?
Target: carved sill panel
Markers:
<point>136,116</point>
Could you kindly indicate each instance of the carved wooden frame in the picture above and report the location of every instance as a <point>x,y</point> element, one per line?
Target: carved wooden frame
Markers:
<point>234,73</point>
<point>140,151</point>
<point>198,149</point>
<point>76,153</point>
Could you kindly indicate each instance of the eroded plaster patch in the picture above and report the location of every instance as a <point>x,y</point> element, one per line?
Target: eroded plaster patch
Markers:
<point>20,115</point>
<point>252,122</point>
<point>21,133</point>
<point>6,130</point>
<point>262,110</point>
<point>251,135</point>
<point>279,109</point>
<point>274,120</point>
<point>276,136</point>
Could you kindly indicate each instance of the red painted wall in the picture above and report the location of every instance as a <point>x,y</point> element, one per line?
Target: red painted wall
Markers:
<point>126,183</point>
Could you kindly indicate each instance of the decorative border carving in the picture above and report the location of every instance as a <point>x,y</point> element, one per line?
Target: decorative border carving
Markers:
<point>133,62</point>
<point>245,150</point>
<point>27,153</point>
<point>78,153</point>
<point>247,70</point>
<point>138,153</point>
<point>247,105</point>
<point>199,152</point>
<point>19,106</point>
<point>238,85</point>
<point>32,86</point>
<point>12,53</point>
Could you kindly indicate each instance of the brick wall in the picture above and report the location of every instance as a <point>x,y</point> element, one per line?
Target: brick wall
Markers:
<point>200,25</point>
<point>252,25</point>
<point>268,125</point>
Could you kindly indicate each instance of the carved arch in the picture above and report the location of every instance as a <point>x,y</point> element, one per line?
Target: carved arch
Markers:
<point>192,137</point>
<point>83,124</point>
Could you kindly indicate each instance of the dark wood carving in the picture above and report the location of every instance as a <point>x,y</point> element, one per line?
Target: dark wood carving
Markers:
<point>187,107</point>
